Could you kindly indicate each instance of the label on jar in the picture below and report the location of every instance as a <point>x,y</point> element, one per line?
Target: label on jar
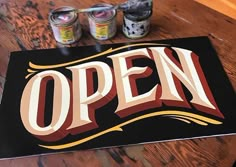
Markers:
<point>66,33</point>
<point>136,29</point>
<point>102,31</point>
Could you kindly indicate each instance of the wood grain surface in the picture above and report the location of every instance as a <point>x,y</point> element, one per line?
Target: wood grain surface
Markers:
<point>227,7</point>
<point>24,26</point>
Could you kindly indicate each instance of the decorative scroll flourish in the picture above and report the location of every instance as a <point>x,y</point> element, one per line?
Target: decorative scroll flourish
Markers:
<point>36,67</point>
<point>178,115</point>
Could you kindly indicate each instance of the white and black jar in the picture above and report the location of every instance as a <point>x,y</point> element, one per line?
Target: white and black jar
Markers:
<point>136,25</point>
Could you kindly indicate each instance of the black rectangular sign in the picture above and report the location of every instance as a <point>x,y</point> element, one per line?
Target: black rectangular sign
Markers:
<point>65,99</point>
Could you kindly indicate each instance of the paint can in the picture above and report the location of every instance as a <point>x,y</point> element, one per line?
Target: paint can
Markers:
<point>136,25</point>
<point>65,26</point>
<point>102,24</point>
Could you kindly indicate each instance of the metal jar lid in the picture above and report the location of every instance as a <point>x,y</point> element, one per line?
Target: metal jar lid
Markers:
<point>63,18</point>
<point>138,16</point>
<point>102,16</point>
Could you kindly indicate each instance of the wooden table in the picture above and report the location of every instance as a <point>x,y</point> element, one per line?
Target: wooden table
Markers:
<point>24,26</point>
